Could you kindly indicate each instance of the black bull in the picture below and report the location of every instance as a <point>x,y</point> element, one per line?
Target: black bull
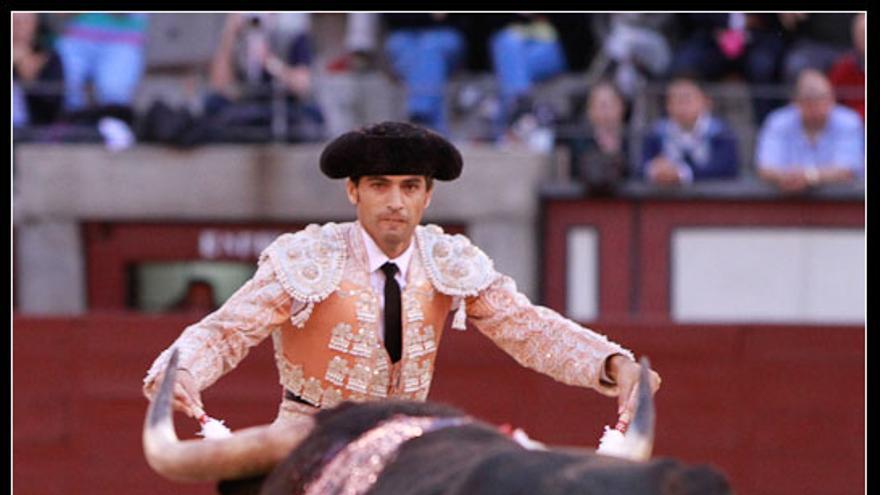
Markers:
<point>472,458</point>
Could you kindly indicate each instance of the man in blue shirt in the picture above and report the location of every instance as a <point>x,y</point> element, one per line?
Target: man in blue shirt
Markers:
<point>812,141</point>
<point>690,144</point>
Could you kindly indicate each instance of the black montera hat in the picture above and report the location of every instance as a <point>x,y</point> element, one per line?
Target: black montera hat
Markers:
<point>391,148</point>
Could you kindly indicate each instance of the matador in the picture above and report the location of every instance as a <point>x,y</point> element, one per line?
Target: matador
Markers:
<point>340,333</point>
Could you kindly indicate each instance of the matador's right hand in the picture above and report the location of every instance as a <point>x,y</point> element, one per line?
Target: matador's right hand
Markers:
<point>187,398</point>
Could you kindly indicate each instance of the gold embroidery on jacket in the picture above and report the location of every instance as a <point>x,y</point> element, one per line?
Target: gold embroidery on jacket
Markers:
<point>454,266</point>
<point>412,310</point>
<point>359,377</point>
<point>331,398</point>
<point>362,343</point>
<point>381,378</point>
<point>416,374</point>
<point>290,376</point>
<point>340,337</point>
<point>295,379</point>
<point>420,341</point>
<point>367,308</point>
<point>309,263</point>
<point>337,370</point>
<point>313,391</point>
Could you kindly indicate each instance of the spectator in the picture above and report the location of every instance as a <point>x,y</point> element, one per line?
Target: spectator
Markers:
<point>817,40</point>
<point>261,80</point>
<point>598,149</point>
<point>717,45</point>
<point>635,47</point>
<point>423,50</point>
<point>37,72</point>
<point>812,141</point>
<point>525,51</point>
<point>103,59</point>
<point>106,49</point>
<point>848,73</point>
<point>361,39</point>
<point>690,144</point>
<point>198,297</point>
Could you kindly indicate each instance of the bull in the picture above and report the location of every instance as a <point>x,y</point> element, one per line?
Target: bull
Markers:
<point>413,448</point>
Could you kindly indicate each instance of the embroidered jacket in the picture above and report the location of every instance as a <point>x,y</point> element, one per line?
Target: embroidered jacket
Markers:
<point>311,293</point>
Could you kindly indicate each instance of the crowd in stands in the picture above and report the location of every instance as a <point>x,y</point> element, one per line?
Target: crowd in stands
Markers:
<point>75,77</point>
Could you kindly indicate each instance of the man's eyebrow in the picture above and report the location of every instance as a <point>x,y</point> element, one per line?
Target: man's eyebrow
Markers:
<point>377,178</point>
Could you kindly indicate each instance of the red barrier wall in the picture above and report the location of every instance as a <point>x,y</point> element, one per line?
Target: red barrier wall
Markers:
<point>779,409</point>
<point>635,242</point>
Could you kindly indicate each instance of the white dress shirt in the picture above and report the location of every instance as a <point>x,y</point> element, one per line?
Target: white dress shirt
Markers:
<point>375,259</point>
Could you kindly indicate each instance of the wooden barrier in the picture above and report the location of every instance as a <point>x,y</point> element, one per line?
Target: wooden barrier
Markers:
<point>635,249</point>
<point>779,409</point>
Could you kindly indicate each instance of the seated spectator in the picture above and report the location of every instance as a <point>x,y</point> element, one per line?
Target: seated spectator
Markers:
<point>599,147</point>
<point>848,73</point>
<point>198,297</point>
<point>423,50</point>
<point>690,144</point>
<point>261,80</point>
<point>525,51</point>
<point>812,141</point>
<point>817,40</point>
<point>717,45</point>
<point>37,72</point>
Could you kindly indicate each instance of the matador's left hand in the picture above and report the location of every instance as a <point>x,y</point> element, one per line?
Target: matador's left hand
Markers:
<point>626,373</point>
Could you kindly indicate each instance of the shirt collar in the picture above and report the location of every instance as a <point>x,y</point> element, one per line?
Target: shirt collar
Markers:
<point>701,126</point>
<point>376,258</point>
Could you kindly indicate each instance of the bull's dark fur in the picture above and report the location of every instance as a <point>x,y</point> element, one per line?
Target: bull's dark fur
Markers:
<point>474,459</point>
<point>335,429</point>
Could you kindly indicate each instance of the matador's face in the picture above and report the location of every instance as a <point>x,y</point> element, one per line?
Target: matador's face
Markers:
<point>389,207</point>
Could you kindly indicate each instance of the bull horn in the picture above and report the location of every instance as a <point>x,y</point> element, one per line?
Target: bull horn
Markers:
<point>639,438</point>
<point>248,452</point>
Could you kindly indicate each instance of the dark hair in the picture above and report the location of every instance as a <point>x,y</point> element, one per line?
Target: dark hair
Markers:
<point>607,82</point>
<point>689,77</point>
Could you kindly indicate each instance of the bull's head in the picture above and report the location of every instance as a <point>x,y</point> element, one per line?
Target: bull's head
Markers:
<point>256,450</point>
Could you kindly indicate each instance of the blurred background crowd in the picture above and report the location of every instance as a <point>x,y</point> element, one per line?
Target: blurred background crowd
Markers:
<point>666,98</point>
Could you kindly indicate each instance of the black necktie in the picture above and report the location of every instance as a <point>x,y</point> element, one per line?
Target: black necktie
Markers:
<point>392,312</point>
